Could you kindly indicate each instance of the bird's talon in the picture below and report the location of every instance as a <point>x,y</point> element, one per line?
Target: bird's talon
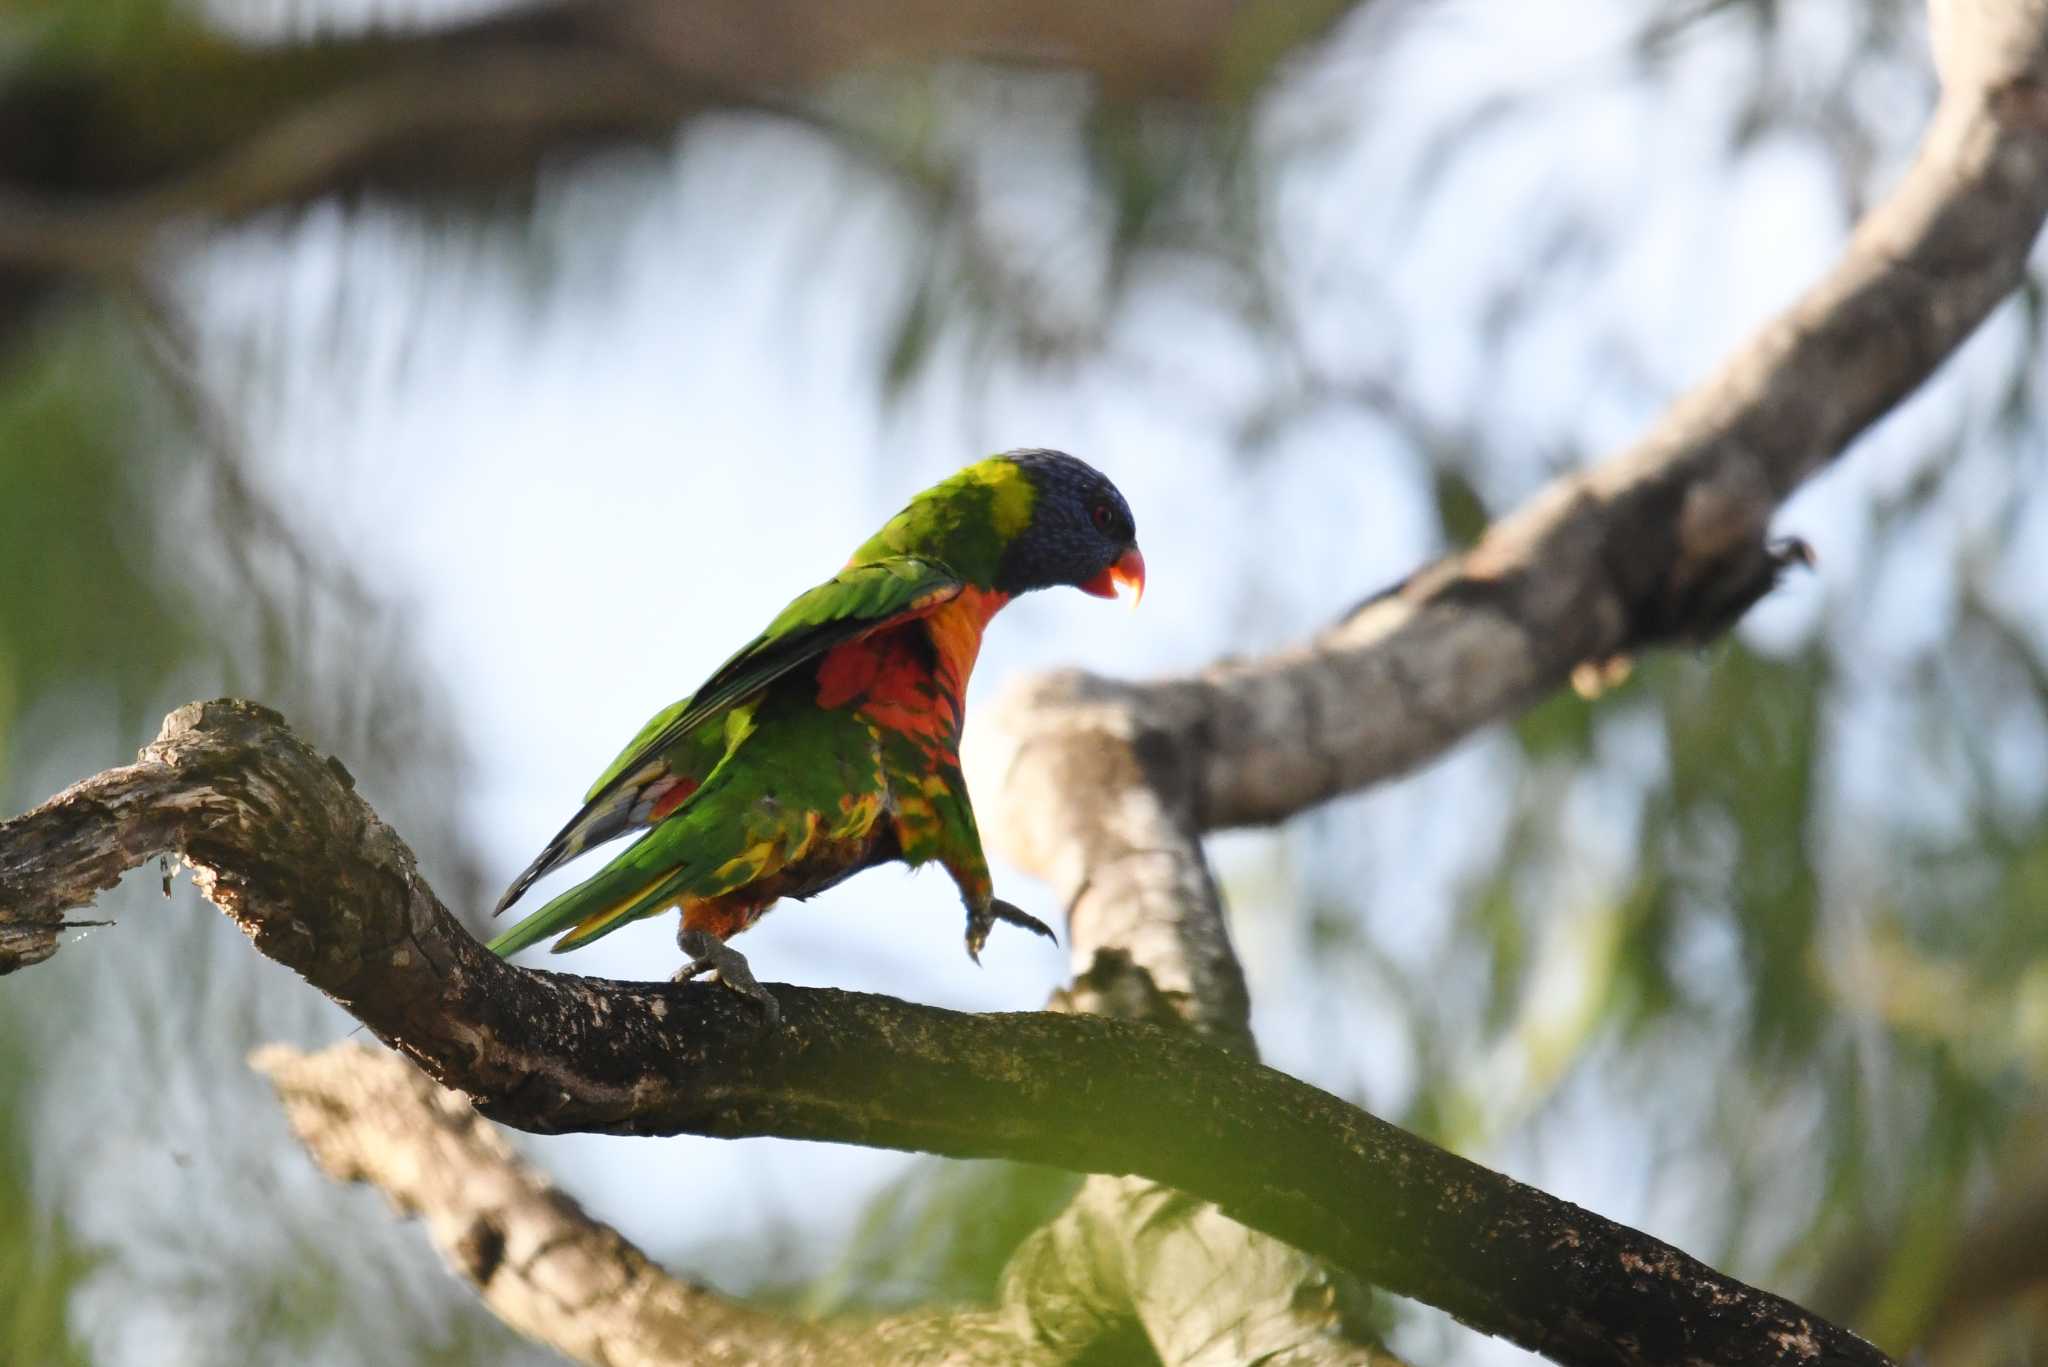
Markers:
<point>709,954</point>
<point>981,921</point>
<point>1016,916</point>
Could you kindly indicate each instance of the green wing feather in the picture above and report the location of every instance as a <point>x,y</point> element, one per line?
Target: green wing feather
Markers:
<point>824,771</point>
<point>859,600</point>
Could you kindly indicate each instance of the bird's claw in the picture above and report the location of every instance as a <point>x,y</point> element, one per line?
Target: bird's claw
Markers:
<point>981,920</point>
<point>709,954</point>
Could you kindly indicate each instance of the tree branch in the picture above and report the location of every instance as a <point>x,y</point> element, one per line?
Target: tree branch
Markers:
<point>1106,786</point>
<point>278,839</point>
<point>552,1272</point>
<point>546,1267</point>
<point>1107,789</point>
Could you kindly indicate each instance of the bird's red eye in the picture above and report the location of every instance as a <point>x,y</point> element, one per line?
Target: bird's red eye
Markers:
<point>1103,517</point>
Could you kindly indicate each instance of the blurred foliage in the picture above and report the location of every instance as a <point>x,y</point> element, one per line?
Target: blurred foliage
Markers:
<point>1767,920</point>
<point>1817,999</point>
<point>82,600</point>
<point>1825,1013</point>
<point>40,1262</point>
<point>89,597</point>
<point>144,570</point>
<point>1856,1000</point>
<point>940,1234</point>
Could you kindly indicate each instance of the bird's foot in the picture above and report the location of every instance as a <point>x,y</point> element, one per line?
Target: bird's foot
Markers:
<point>709,954</point>
<point>980,921</point>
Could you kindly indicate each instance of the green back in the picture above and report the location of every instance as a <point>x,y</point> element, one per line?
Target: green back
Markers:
<point>951,535</point>
<point>856,601</point>
<point>964,522</point>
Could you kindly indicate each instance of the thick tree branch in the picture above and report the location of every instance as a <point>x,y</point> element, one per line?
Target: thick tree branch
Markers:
<point>1664,543</point>
<point>1106,785</point>
<point>552,1272</point>
<point>277,838</point>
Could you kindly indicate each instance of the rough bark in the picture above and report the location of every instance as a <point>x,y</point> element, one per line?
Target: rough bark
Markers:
<point>276,836</point>
<point>552,1272</point>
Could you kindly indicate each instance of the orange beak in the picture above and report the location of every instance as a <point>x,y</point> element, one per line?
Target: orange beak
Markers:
<point>1128,572</point>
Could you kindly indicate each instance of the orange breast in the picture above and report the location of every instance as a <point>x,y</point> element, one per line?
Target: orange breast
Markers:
<point>912,678</point>
<point>955,630</point>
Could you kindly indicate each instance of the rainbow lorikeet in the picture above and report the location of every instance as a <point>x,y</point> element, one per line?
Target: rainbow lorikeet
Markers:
<point>830,742</point>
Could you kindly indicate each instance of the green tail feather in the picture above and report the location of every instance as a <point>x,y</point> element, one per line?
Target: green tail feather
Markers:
<point>624,890</point>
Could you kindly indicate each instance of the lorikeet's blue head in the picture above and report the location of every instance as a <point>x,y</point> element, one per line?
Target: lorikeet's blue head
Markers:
<point>1081,531</point>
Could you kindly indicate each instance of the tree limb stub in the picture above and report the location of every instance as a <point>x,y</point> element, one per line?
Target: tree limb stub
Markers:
<point>1106,785</point>
<point>283,844</point>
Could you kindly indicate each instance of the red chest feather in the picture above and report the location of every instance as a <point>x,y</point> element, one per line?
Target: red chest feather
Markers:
<point>912,677</point>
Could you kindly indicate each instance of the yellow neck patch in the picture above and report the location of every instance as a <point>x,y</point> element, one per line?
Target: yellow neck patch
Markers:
<point>1011,494</point>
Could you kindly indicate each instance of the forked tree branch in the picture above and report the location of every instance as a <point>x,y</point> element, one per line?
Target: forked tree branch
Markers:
<point>278,839</point>
<point>1108,787</point>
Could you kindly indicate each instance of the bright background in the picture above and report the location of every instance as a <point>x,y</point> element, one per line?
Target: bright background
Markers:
<point>1747,953</point>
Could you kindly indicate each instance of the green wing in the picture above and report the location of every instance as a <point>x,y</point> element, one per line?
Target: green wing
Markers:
<point>860,599</point>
